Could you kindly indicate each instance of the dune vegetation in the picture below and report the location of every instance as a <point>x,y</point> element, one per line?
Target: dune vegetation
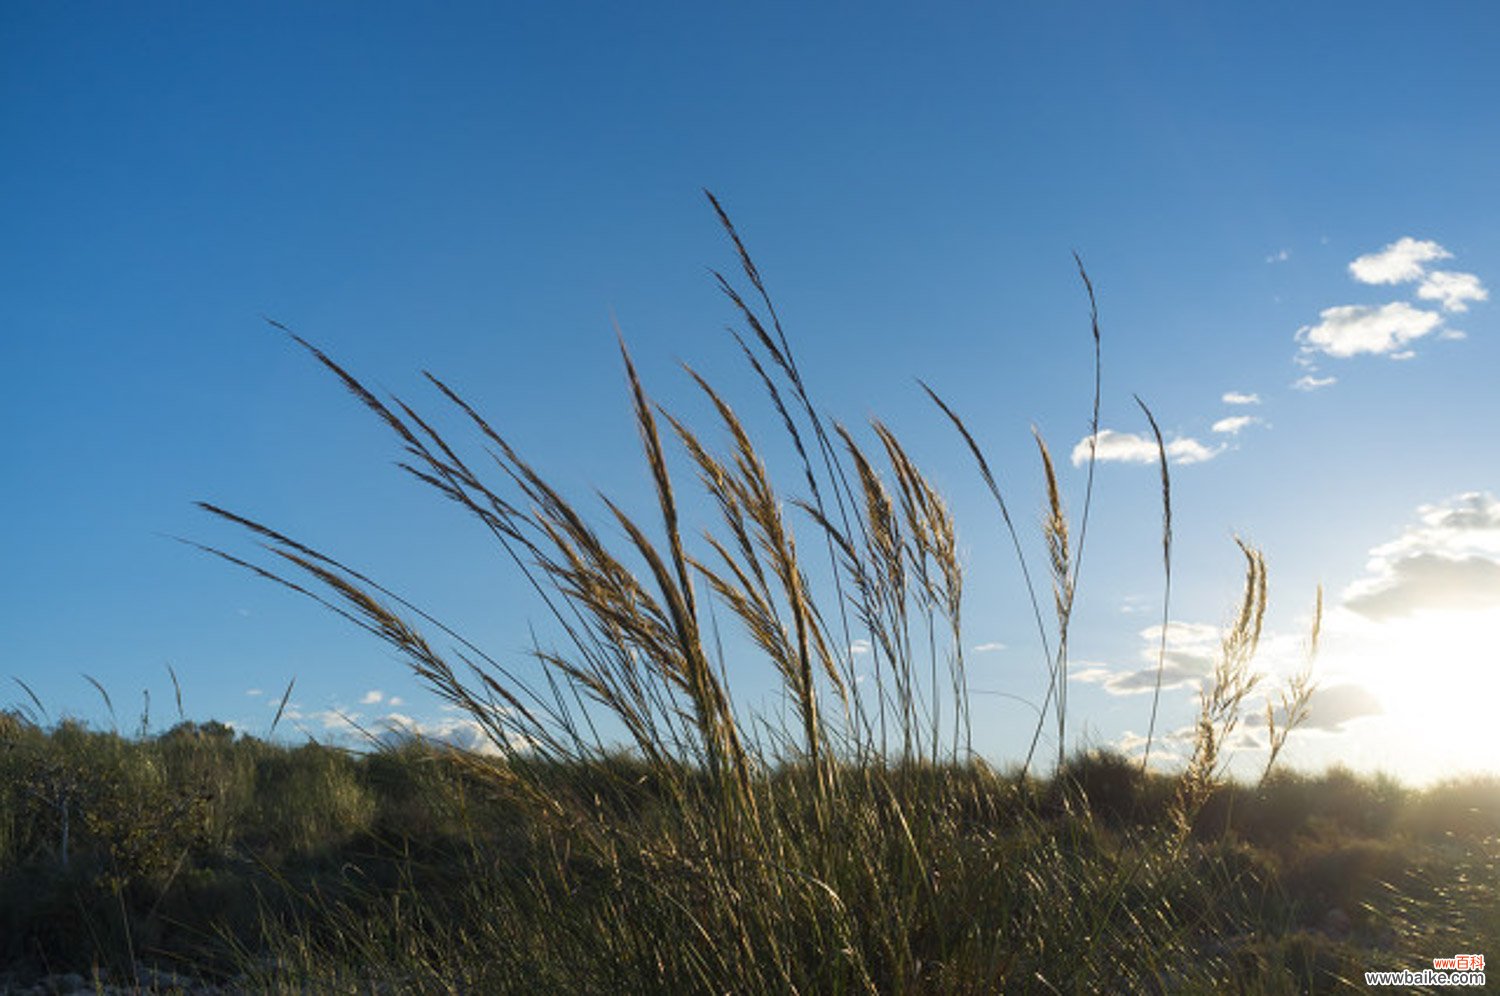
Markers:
<point>234,864</point>
<point>635,829</point>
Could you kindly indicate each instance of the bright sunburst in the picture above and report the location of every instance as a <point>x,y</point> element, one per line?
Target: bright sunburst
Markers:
<point>1436,676</point>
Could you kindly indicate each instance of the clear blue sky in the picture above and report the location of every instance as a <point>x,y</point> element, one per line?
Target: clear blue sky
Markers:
<point>484,189</point>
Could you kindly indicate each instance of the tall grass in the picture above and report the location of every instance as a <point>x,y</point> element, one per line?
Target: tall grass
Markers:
<point>861,846</point>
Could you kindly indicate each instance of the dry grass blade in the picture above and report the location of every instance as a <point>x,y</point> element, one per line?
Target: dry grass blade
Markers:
<point>751,272</point>
<point>177,693</point>
<point>354,387</point>
<point>1222,699</point>
<point>110,706</point>
<point>880,583</point>
<point>1010,527</point>
<point>750,508</point>
<point>36,702</point>
<point>657,461</point>
<point>1166,556</point>
<point>711,705</point>
<point>1294,697</point>
<point>932,552</point>
<point>1088,488</point>
<point>884,530</point>
<point>286,697</point>
<point>1055,532</point>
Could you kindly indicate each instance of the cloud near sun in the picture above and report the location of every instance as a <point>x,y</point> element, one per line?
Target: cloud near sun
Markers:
<point>1420,622</point>
<point>1390,329</point>
<point>1449,562</point>
<point>1189,661</point>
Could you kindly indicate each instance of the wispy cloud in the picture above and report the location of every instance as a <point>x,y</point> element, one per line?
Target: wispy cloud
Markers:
<point>1127,447</point>
<point>1351,329</point>
<point>859,647</point>
<point>1308,382</point>
<point>371,697</point>
<point>988,648</point>
<point>1240,398</point>
<point>1234,423</point>
<point>1453,290</point>
<point>1398,263</point>
<point>1279,256</point>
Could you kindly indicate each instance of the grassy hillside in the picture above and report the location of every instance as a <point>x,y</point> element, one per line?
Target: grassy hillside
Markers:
<point>289,868</point>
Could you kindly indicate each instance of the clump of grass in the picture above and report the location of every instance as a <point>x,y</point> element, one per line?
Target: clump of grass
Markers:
<point>861,847</point>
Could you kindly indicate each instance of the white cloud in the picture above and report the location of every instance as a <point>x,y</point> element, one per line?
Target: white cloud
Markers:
<point>254,692</point>
<point>1351,329</point>
<point>988,648</point>
<point>1127,447</point>
<point>371,697</point>
<point>1429,581</point>
<point>1454,290</point>
<point>332,719</point>
<point>395,700</point>
<point>1389,329</point>
<point>463,732</point>
<point>859,647</point>
<point>1452,335</point>
<point>1089,673</point>
<point>1169,748</point>
<point>1329,708</point>
<point>1308,382</point>
<point>1450,561</point>
<point>1234,423</point>
<point>1279,256</point>
<point>1397,263</point>
<point>1240,398</point>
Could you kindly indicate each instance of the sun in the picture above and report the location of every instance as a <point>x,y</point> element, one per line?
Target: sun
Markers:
<point>1436,674</point>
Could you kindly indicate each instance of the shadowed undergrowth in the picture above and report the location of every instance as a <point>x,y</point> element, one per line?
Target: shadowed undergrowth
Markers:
<point>282,868</point>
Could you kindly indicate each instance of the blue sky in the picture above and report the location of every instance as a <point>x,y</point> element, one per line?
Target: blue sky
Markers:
<point>1263,195</point>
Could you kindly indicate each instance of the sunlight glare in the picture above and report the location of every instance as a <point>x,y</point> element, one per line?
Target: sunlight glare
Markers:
<point>1437,673</point>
